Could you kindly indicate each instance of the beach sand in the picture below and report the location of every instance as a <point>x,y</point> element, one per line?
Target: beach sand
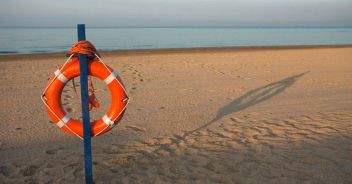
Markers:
<point>277,115</point>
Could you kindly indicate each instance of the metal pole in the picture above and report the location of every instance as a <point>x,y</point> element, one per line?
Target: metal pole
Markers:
<point>85,111</point>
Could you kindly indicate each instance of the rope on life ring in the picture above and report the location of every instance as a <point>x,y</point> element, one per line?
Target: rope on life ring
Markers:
<point>51,96</point>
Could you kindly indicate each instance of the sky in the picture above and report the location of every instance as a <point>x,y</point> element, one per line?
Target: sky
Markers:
<point>175,13</point>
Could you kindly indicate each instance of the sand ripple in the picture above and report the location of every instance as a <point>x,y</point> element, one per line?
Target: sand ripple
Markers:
<point>302,149</point>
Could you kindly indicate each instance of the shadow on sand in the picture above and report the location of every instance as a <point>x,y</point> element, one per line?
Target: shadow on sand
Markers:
<point>252,97</point>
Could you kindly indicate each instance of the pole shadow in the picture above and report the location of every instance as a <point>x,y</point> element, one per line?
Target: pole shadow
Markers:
<point>251,98</point>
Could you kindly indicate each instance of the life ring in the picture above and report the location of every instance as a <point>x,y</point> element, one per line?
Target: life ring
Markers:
<point>56,84</point>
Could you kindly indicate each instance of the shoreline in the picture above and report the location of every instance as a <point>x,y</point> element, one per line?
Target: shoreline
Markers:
<point>130,52</point>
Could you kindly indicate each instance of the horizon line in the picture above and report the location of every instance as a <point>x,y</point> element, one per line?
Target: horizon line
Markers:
<point>269,26</point>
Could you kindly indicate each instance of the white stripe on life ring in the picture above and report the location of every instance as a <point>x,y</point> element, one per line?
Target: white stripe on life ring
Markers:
<point>110,78</point>
<point>61,76</point>
<point>108,121</point>
<point>63,121</point>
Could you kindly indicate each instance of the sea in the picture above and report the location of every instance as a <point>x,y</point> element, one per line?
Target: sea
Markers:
<point>51,40</point>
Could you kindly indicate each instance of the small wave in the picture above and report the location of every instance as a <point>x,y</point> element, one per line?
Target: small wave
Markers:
<point>9,52</point>
<point>40,51</point>
<point>142,46</point>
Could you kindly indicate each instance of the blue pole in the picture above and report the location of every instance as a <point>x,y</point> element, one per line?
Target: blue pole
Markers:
<point>85,111</point>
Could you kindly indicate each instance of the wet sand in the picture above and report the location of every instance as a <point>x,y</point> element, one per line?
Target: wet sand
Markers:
<point>260,115</point>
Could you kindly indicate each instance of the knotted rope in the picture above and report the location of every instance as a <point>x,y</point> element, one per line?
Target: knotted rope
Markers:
<point>84,47</point>
<point>87,48</point>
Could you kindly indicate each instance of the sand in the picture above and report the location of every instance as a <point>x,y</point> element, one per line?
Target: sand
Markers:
<point>277,115</point>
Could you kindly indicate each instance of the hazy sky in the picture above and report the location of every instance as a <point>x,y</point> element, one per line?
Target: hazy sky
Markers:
<point>176,12</point>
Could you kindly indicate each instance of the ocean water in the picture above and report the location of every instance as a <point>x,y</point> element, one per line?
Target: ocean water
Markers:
<point>47,40</point>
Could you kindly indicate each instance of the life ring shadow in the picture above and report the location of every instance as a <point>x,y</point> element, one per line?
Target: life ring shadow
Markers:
<point>253,97</point>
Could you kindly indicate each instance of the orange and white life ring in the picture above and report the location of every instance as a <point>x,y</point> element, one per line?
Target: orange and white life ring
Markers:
<point>52,97</point>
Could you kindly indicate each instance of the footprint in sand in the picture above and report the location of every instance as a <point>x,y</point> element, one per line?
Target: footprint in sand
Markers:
<point>136,128</point>
<point>30,170</point>
<point>237,120</point>
<point>72,168</point>
<point>78,173</point>
<point>68,109</point>
<point>136,75</point>
<point>6,170</point>
<point>53,151</point>
<point>111,150</point>
<point>66,103</point>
